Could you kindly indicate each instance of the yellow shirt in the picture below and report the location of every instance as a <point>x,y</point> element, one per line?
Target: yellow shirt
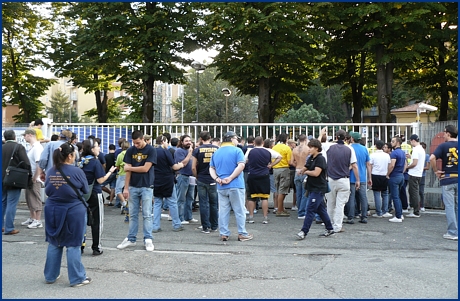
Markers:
<point>285,152</point>
<point>39,134</point>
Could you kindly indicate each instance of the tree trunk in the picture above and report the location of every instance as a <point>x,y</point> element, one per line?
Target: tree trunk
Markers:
<point>356,88</point>
<point>264,100</point>
<point>101,106</point>
<point>389,87</point>
<point>444,105</point>
<point>382,99</point>
<point>147,101</point>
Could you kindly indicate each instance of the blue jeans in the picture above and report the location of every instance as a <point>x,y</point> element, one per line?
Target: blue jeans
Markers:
<point>301,198</point>
<point>172,203</point>
<point>209,210</point>
<point>10,199</point>
<point>119,188</point>
<point>75,269</point>
<point>395,185</point>
<point>450,200</point>
<point>232,198</point>
<point>138,196</point>
<point>316,205</point>
<point>380,208</point>
<point>185,197</point>
<point>359,195</point>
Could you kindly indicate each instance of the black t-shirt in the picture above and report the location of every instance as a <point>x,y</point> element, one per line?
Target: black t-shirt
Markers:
<point>164,175</point>
<point>245,150</point>
<point>138,157</point>
<point>317,184</point>
<point>109,161</point>
<point>203,156</point>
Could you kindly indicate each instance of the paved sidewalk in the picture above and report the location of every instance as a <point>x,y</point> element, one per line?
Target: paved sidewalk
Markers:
<point>375,260</point>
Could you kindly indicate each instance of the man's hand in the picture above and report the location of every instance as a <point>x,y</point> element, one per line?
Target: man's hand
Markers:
<point>126,193</point>
<point>439,173</point>
<point>357,185</point>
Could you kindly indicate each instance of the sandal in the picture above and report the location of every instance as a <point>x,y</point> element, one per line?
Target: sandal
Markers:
<point>224,238</point>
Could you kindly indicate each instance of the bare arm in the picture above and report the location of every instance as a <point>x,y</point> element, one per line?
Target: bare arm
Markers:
<point>234,174</point>
<point>194,164</point>
<point>107,175</point>
<point>391,166</point>
<point>356,172</point>
<point>413,164</point>
<point>127,180</point>
<point>314,173</point>
<point>186,159</point>
<point>369,173</point>
<point>139,169</point>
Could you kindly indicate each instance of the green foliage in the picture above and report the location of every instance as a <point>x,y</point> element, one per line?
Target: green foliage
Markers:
<point>304,114</point>
<point>62,109</point>
<point>213,105</point>
<point>113,109</point>
<point>23,42</point>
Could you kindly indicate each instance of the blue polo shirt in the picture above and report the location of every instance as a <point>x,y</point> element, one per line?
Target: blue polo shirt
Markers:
<point>362,157</point>
<point>179,155</point>
<point>225,160</point>
<point>400,157</point>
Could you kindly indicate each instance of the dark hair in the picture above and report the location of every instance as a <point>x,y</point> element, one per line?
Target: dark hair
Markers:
<point>315,143</point>
<point>98,140</point>
<point>340,135</point>
<point>452,130</point>
<point>181,140</point>
<point>88,147</point>
<point>73,137</point>
<point>9,135</point>
<point>215,139</point>
<point>54,137</point>
<point>251,139</point>
<point>91,137</point>
<point>398,139</point>
<point>423,144</point>
<point>79,146</point>
<point>112,147</point>
<point>268,142</point>
<point>60,154</point>
<point>38,122</point>
<point>388,145</point>
<point>160,139</point>
<point>137,135</point>
<point>168,136</point>
<point>282,137</point>
<point>379,144</point>
<point>174,141</point>
<point>258,141</point>
<point>302,138</point>
<point>205,136</point>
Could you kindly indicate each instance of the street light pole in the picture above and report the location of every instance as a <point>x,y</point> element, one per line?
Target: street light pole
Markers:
<point>198,67</point>
<point>227,93</point>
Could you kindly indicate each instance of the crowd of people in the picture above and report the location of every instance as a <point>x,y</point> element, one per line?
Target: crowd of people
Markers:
<point>163,178</point>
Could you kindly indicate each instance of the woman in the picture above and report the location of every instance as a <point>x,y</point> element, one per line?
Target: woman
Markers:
<point>65,216</point>
<point>95,175</point>
<point>317,187</point>
<point>165,190</point>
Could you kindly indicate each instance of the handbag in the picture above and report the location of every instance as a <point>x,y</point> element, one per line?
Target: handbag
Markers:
<point>90,218</point>
<point>86,196</point>
<point>15,176</point>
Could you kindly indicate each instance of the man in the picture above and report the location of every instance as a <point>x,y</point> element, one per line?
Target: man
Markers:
<point>174,142</point>
<point>339,159</point>
<point>140,160</point>
<point>421,190</point>
<point>226,167</point>
<point>206,186</point>
<point>185,191</point>
<point>396,178</point>
<point>292,144</point>
<point>245,149</point>
<point>259,162</point>
<point>380,162</point>
<point>448,178</point>
<point>148,139</point>
<point>415,174</point>
<point>46,158</point>
<point>15,152</point>
<point>364,171</point>
<point>112,180</point>
<point>299,158</point>
<point>33,195</point>
<point>282,174</point>
<point>216,142</point>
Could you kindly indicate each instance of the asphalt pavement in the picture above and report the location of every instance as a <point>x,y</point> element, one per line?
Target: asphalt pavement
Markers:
<point>376,260</point>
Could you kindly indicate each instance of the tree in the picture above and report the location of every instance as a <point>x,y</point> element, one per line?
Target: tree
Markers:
<point>62,109</point>
<point>213,105</point>
<point>138,43</point>
<point>114,114</point>
<point>304,114</point>
<point>266,50</point>
<point>22,45</point>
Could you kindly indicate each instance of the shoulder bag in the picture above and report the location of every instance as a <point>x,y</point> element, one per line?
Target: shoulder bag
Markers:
<point>15,176</point>
<point>90,218</point>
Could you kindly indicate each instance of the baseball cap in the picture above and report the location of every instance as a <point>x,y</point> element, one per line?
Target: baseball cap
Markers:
<point>414,137</point>
<point>355,135</point>
<point>30,131</point>
<point>231,134</point>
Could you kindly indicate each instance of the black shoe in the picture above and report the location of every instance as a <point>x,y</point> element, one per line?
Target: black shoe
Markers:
<point>96,252</point>
<point>350,221</point>
<point>110,204</point>
<point>363,221</point>
<point>327,233</point>
<point>118,206</point>
<point>108,198</point>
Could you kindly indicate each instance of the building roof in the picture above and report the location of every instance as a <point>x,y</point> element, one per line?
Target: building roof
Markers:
<point>409,108</point>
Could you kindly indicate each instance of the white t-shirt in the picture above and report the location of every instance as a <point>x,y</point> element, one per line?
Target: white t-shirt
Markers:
<point>417,153</point>
<point>379,161</point>
<point>273,153</point>
<point>34,152</point>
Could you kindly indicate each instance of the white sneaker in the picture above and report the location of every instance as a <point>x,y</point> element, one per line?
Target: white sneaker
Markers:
<point>149,245</point>
<point>35,224</point>
<point>126,243</point>
<point>27,222</point>
<point>395,220</point>
<point>406,210</point>
<point>387,215</point>
<point>165,215</point>
<point>247,211</point>
<point>301,217</point>
<point>184,222</point>
<point>376,215</point>
<point>294,208</point>
<point>193,220</point>
<point>451,237</point>
<point>255,211</point>
<point>412,215</point>
<point>422,209</point>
